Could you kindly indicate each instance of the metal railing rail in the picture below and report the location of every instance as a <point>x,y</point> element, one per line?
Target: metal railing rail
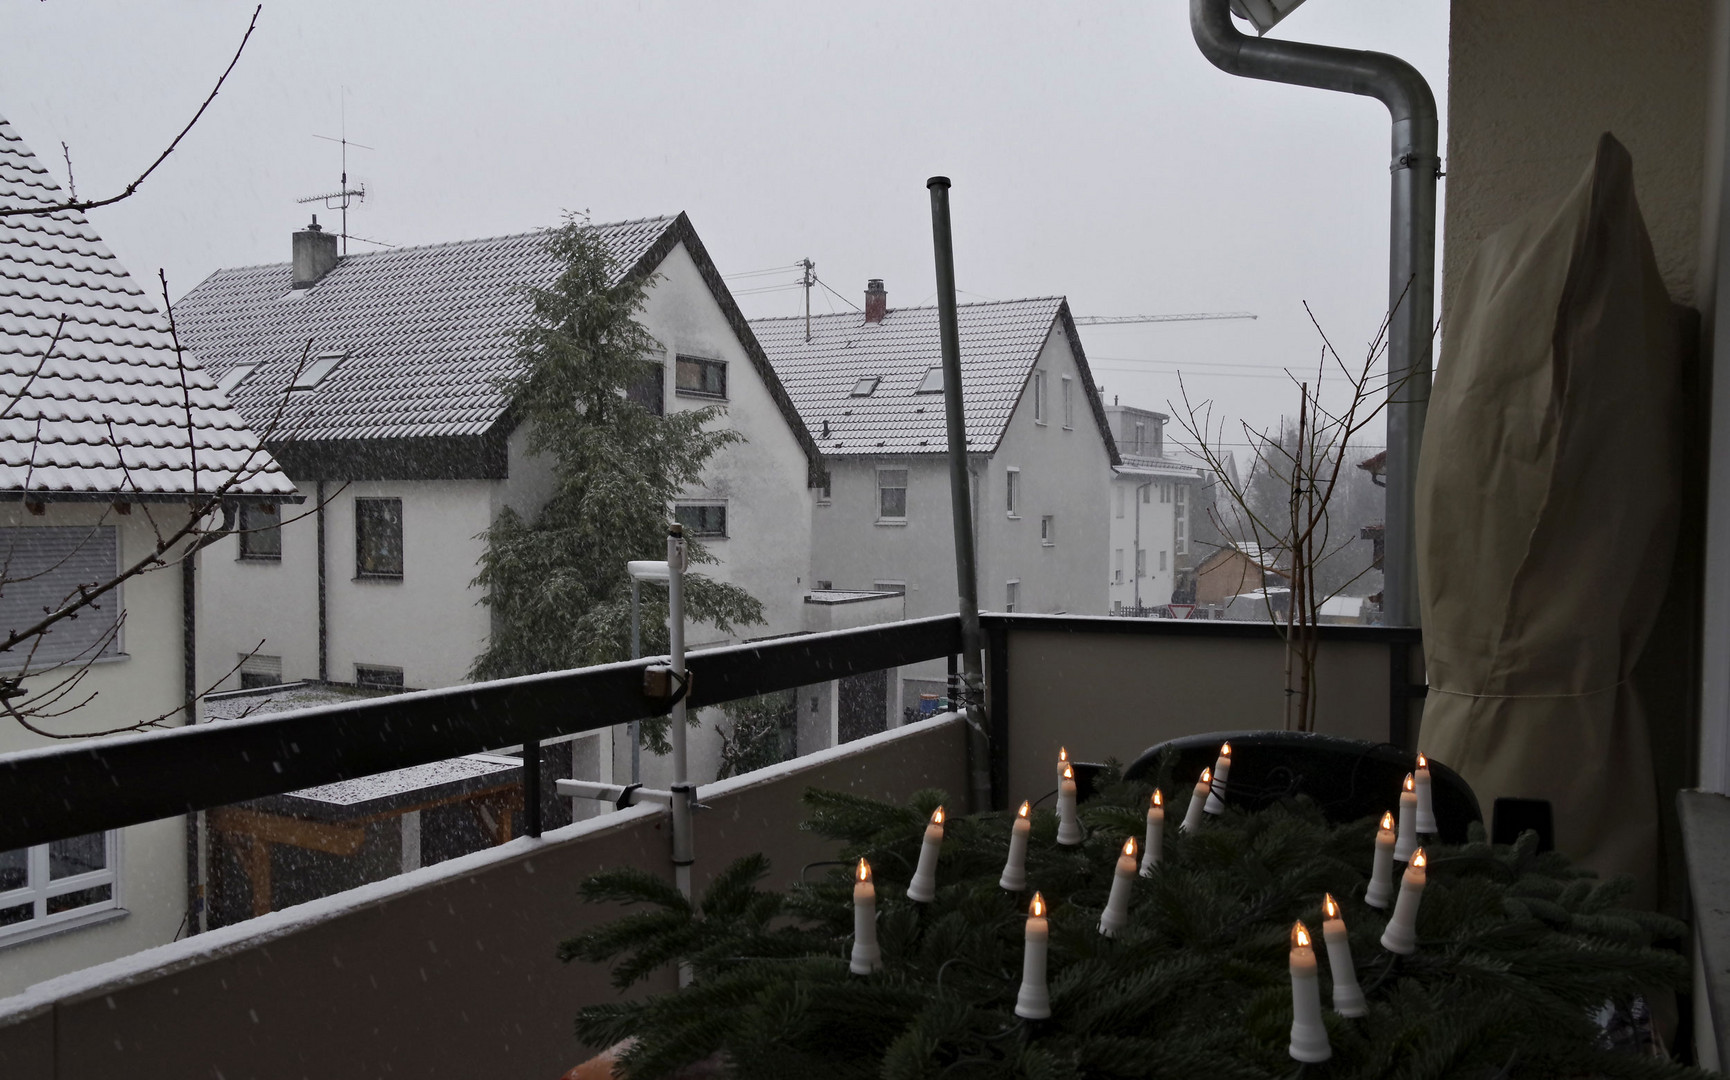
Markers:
<point>59,792</point>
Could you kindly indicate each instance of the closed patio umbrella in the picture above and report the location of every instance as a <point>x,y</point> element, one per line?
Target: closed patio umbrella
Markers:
<point>1547,505</point>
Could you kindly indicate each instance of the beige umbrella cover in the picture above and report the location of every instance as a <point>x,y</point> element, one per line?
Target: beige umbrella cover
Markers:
<point>1547,501</point>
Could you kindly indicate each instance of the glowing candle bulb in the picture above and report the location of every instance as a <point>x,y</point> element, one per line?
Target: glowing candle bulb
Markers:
<point>1033,1002</point>
<point>1155,834</point>
<point>1401,936</point>
<point>1116,914</point>
<point>1216,790</point>
<point>1192,816</point>
<point>1309,1039</point>
<point>1015,869</point>
<point>1407,842</point>
<point>923,887</point>
<point>1348,995</point>
<point>1068,819</point>
<point>1426,809</point>
<point>867,956</point>
<point>1381,888</point>
<point>1062,762</point>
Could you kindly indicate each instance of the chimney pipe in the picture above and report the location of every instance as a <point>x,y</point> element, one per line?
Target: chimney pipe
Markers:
<point>314,255</point>
<point>876,300</point>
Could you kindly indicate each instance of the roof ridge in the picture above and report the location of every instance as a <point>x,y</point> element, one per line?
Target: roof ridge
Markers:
<point>668,218</point>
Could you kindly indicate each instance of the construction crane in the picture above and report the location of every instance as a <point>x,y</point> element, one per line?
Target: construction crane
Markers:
<point>1194,316</point>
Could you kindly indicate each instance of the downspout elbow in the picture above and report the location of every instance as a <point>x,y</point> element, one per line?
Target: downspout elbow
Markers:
<point>1388,79</point>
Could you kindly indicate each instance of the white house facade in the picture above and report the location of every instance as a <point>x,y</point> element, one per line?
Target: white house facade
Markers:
<point>406,451</point>
<point>106,437</point>
<point>869,387</point>
<point>1152,501</point>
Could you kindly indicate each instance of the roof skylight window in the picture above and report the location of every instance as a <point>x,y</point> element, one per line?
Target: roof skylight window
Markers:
<point>316,370</point>
<point>233,377</point>
<point>933,382</point>
<point>865,387</point>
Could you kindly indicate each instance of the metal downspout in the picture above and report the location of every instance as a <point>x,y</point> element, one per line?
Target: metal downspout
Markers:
<point>1411,253</point>
<point>979,749</point>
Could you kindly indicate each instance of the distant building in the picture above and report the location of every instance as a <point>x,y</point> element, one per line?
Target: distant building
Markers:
<point>105,434</point>
<point>869,387</point>
<point>398,435</point>
<point>1235,571</point>
<point>1152,496</point>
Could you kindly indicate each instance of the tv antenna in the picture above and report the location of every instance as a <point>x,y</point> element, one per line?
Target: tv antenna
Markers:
<point>344,194</point>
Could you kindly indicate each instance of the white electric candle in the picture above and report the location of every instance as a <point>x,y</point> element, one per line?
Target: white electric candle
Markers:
<point>867,957</point>
<point>923,887</point>
<point>1381,888</point>
<point>1116,914</point>
<point>1068,819</point>
<point>1062,762</point>
<point>1309,1039</point>
<point>1033,1002</point>
<point>1426,808</point>
<point>1155,834</point>
<point>1407,842</point>
<point>1401,936</point>
<point>1348,995</point>
<point>1192,816</point>
<point>1014,876</point>
<point>1216,790</point>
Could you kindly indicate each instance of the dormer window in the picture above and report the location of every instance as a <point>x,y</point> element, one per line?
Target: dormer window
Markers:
<point>932,383</point>
<point>866,387</point>
<point>317,369</point>
<point>233,377</point>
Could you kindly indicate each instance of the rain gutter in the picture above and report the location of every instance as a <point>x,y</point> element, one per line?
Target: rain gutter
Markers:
<point>1411,253</point>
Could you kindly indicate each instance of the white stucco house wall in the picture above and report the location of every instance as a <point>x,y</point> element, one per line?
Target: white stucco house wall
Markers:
<point>869,388</point>
<point>404,433</point>
<point>97,449</point>
<point>1152,506</point>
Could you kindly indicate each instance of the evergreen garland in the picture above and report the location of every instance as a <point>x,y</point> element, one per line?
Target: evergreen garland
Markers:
<point>1517,950</point>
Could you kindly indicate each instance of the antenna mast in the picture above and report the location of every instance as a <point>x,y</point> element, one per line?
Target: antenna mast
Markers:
<point>808,279</point>
<point>344,194</point>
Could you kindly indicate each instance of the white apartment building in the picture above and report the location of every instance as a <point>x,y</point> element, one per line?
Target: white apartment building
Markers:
<point>105,435</point>
<point>1152,497</point>
<point>869,387</point>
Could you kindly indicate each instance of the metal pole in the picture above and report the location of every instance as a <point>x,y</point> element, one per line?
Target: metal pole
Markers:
<point>532,788</point>
<point>1411,250</point>
<point>961,501</point>
<point>684,793</point>
<point>636,653</point>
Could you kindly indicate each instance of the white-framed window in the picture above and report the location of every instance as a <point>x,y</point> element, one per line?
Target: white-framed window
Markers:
<point>378,676</point>
<point>1140,438</point>
<point>1048,530</point>
<point>1117,567</point>
<point>890,586</point>
<point>826,493</point>
<point>317,370</point>
<point>1162,561</point>
<point>1068,402</point>
<point>703,519</point>
<point>1140,562</point>
<point>866,387</point>
<point>55,884</point>
<point>1165,491</point>
<point>1039,397</point>
<point>1012,491</point>
<point>932,383</point>
<point>1117,490</point>
<point>1011,595</point>
<point>45,566</point>
<point>1180,517</point>
<point>378,539</point>
<point>891,494</point>
<point>260,531</point>
<point>258,671</point>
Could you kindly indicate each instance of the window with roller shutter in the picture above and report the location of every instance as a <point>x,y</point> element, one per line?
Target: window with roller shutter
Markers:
<point>43,567</point>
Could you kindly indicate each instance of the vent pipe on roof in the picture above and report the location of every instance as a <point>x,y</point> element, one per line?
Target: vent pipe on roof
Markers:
<point>876,300</point>
<point>314,254</point>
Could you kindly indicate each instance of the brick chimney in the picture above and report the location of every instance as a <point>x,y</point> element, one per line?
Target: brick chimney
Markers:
<point>876,300</point>
<point>314,255</point>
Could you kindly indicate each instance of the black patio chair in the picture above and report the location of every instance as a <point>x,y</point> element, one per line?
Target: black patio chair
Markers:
<point>1347,779</point>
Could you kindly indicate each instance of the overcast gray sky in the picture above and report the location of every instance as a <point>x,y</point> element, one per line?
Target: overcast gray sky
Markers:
<point>1095,154</point>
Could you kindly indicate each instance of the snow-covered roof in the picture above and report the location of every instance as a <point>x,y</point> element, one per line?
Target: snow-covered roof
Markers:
<point>105,408</point>
<point>858,385</point>
<point>424,333</point>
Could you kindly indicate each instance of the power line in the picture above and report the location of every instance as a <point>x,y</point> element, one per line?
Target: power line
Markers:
<point>1191,316</point>
<point>837,295</point>
<point>761,273</point>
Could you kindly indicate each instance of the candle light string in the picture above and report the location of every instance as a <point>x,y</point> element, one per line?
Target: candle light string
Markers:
<point>1045,796</point>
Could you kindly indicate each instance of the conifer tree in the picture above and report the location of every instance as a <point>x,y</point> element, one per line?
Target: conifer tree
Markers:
<point>1517,951</point>
<point>557,584</point>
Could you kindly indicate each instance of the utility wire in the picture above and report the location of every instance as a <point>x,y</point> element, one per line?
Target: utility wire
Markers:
<point>760,273</point>
<point>837,295</point>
